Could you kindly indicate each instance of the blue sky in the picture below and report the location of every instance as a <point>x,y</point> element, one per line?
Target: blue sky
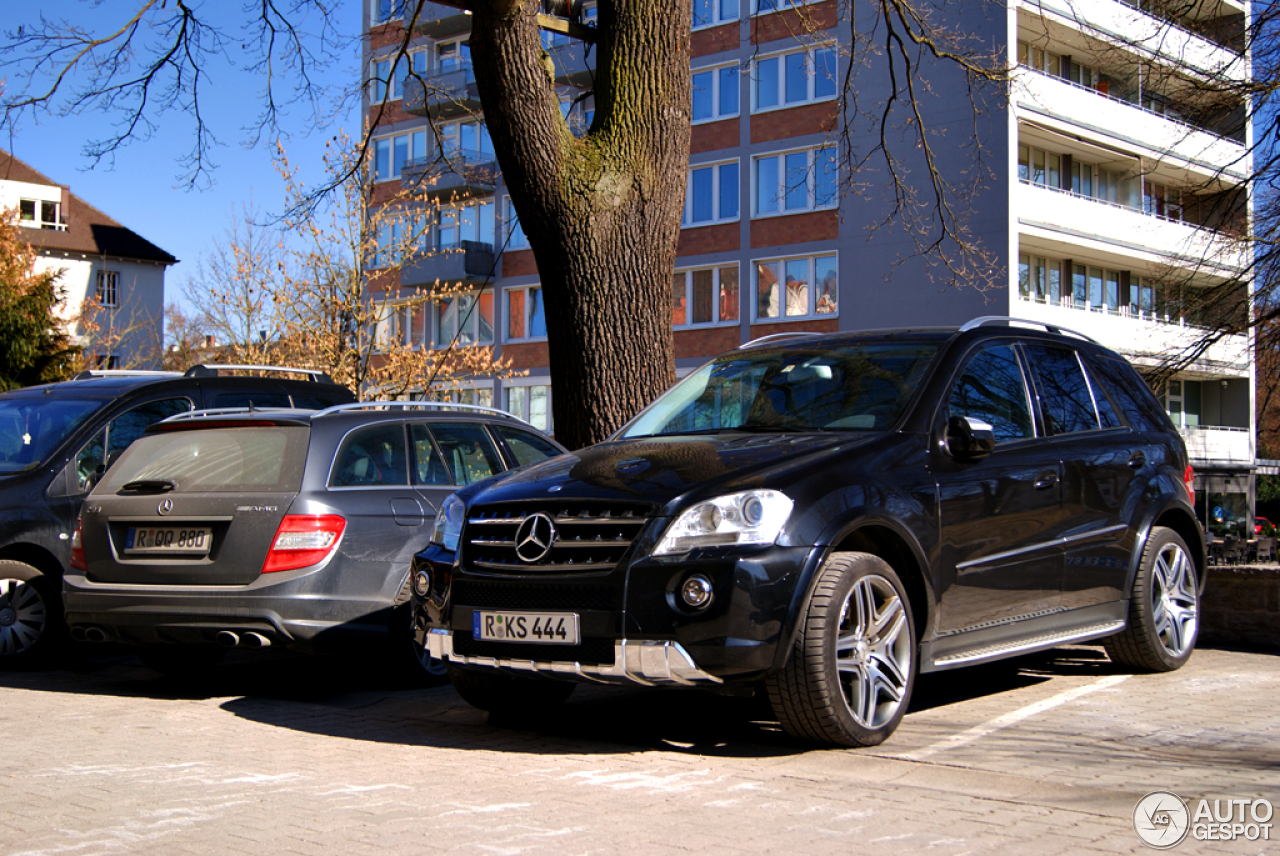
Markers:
<point>143,188</point>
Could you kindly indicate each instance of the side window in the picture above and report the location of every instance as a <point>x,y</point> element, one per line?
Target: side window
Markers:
<point>993,390</point>
<point>528,448</point>
<point>257,399</point>
<point>372,457</point>
<point>1141,409</point>
<point>97,456</point>
<point>427,468</point>
<point>469,453</point>
<point>1064,390</point>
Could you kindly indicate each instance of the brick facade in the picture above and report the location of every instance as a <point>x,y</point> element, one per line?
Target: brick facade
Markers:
<point>525,355</point>
<point>714,39</point>
<point>817,118</point>
<point>721,238</point>
<point>706,342</point>
<point>807,326</point>
<point>518,263</point>
<point>713,135</point>
<point>795,229</point>
<point>793,23</point>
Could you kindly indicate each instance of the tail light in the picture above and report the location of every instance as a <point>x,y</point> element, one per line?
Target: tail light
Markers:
<point>77,549</point>
<point>1188,480</point>
<point>303,540</point>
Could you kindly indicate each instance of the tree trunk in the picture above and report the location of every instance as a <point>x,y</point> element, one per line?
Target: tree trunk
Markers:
<point>602,212</point>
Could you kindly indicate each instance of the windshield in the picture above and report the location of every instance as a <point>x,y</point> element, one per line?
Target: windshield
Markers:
<point>31,429</point>
<point>857,388</point>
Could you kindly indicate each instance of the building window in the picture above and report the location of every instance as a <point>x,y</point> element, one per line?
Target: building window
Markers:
<point>466,317</point>
<point>382,11</point>
<point>797,77</point>
<point>453,56</point>
<point>1036,166</point>
<point>1038,59</point>
<point>391,154</point>
<point>784,290</point>
<point>704,296</point>
<point>532,404</point>
<point>709,13</point>
<point>465,223</point>
<point>401,324</point>
<point>39,214</point>
<point>512,233</point>
<point>399,238</point>
<point>526,315</point>
<point>468,139</point>
<point>105,292</point>
<point>711,195</point>
<point>715,93</point>
<point>763,7</point>
<point>386,83</point>
<point>796,181</point>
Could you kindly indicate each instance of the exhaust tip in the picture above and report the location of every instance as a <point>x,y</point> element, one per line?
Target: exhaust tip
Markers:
<point>94,634</point>
<point>227,639</point>
<point>255,640</point>
<point>78,634</point>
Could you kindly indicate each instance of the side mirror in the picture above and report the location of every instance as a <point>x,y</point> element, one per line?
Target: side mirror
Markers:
<point>969,439</point>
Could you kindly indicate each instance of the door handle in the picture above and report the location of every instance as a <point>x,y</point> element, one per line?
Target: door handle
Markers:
<point>1046,480</point>
<point>1137,460</point>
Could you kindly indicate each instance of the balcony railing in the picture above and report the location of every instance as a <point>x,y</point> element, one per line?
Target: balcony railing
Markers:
<point>1232,38</point>
<point>1219,443</point>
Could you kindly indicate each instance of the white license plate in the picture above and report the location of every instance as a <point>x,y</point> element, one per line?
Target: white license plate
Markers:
<point>168,540</point>
<point>547,628</point>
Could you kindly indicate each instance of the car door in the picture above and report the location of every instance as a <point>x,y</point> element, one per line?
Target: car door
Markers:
<point>1000,516</point>
<point>1099,458</point>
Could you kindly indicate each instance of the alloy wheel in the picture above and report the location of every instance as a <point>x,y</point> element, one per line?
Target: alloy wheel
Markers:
<point>1173,599</point>
<point>873,651</point>
<point>23,616</point>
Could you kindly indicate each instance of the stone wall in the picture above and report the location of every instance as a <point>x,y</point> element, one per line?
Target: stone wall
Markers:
<point>1241,606</point>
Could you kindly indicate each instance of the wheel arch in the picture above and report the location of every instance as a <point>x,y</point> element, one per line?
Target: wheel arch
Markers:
<point>1180,519</point>
<point>35,556</point>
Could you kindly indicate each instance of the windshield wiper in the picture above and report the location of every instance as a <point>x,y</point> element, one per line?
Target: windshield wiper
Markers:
<point>149,486</point>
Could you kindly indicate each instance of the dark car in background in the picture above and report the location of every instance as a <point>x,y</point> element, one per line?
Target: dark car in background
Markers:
<point>289,528</point>
<point>57,440</point>
<point>822,517</point>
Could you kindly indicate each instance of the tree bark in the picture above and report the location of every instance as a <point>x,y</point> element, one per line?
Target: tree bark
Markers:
<point>602,212</point>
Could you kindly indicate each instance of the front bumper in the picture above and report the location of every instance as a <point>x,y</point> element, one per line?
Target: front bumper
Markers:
<point>636,662</point>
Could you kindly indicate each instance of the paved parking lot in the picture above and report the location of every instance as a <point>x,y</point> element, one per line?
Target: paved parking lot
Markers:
<point>280,754</point>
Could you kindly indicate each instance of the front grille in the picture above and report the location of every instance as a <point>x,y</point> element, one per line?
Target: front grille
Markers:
<point>595,652</point>
<point>589,536</point>
<point>504,595</point>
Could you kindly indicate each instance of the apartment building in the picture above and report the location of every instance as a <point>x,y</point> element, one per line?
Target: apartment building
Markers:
<point>1096,207</point>
<point>99,258</point>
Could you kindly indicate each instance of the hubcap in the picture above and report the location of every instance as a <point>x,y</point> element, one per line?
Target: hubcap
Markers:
<point>873,651</point>
<point>1173,600</point>
<point>22,616</point>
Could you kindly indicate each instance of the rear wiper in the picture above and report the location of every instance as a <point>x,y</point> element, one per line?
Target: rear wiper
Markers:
<point>149,486</point>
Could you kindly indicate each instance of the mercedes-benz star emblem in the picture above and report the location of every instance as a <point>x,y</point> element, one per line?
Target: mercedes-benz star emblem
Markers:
<point>165,507</point>
<point>534,537</point>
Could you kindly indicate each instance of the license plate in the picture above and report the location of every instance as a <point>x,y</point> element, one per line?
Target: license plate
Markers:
<point>168,540</point>
<point>546,628</point>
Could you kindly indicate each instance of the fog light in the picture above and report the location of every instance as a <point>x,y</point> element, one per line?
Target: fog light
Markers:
<point>422,583</point>
<point>696,591</point>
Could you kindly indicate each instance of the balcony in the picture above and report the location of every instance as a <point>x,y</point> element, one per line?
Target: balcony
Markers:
<point>1143,32</point>
<point>444,94</point>
<point>1160,135</point>
<point>1212,445</point>
<point>451,177</point>
<point>470,262</point>
<point>441,19</point>
<point>1061,220</point>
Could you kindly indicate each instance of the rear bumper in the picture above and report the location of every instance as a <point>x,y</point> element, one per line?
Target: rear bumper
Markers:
<point>153,614</point>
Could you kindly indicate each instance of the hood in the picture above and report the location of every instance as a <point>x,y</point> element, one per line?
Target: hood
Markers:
<point>659,469</point>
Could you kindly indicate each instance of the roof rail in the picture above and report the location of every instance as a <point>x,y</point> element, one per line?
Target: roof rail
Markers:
<point>419,405</point>
<point>212,369</point>
<point>1009,321</point>
<point>91,373</point>
<point>225,411</point>
<point>777,337</point>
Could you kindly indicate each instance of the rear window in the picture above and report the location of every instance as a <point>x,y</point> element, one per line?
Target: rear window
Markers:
<point>217,460</point>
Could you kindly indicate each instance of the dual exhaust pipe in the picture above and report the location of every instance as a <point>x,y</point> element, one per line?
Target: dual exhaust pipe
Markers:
<point>226,638</point>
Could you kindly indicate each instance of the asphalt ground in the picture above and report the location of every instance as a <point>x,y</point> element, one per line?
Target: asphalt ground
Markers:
<point>282,754</point>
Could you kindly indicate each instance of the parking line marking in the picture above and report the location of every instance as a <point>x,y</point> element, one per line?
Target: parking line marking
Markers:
<point>964,738</point>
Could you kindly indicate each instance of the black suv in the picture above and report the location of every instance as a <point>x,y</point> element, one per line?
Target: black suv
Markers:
<point>56,441</point>
<point>825,516</point>
<point>285,527</point>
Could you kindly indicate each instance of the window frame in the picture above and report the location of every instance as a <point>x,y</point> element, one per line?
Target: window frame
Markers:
<point>719,18</point>
<point>107,283</point>
<point>812,298</point>
<point>513,236</point>
<point>394,174</point>
<point>717,90</point>
<point>811,176</point>
<point>526,384</point>
<point>811,77</point>
<point>716,285</point>
<point>441,341</point>
<point>686,219</point>
<point>527,311</point>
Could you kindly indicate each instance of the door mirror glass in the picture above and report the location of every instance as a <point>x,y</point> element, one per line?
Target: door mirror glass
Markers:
<point>969,439</point>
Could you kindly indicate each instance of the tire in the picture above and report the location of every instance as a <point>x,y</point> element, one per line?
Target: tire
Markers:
<point>505,696</point>
<point>182,661</point>
<point>1164,608</point>
<point>848,677</point>
<point>31,625</point>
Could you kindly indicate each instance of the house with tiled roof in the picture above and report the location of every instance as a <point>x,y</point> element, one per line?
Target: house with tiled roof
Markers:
<point>99,258</point>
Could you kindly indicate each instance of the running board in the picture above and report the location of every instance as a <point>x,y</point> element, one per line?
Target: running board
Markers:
<point>1026,646</point>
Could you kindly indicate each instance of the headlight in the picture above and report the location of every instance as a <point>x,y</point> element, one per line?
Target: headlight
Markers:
<point>750,517</point>
<point>448,528</point>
